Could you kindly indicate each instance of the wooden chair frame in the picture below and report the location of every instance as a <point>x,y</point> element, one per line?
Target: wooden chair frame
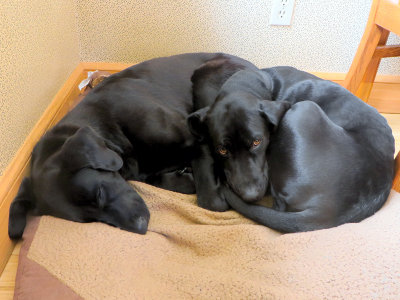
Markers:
<point>384,18</point>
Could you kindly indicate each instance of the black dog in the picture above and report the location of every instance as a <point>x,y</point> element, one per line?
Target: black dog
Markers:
<point>329,160</point>
<point>131,126</point>
<point>232,125</point>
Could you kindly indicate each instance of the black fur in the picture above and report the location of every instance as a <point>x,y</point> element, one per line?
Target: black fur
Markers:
<point>131,126</point>
<point>328,160</point>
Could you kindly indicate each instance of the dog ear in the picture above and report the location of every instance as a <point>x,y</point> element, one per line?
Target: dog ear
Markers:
<point>19,208</point>
<point>196,123</point>
<point>273,111</point>
<point>86,149</point>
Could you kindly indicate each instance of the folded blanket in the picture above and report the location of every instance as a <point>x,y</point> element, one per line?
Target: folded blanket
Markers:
<point>190,252</point>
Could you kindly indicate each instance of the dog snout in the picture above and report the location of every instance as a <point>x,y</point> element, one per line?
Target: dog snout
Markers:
<point>248,183</point>
<point>139,221</point>
<point>252,194</point>
<point>140,225</point>
<point>249,191</point>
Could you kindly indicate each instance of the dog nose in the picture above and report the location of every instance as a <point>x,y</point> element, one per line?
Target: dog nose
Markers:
<point>251,194</point>
<point>141,225</point>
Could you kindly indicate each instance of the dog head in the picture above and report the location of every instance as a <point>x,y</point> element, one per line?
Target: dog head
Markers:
<point>237,127</point>
<point>75,177</point>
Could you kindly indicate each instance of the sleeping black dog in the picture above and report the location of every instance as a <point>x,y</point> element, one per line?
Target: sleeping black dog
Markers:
<point>325,156</point>
<point>131,126</point>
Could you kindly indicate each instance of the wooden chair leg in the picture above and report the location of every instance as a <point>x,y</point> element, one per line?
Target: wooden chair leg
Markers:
<point>365,87</point>
<point>365,66</point>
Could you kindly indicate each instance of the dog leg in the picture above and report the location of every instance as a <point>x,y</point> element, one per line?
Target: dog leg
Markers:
<point>279,205</point>
<point>180,181</point>
<point>208,190</point>
<point>19,209</point>
<point>130,169</point>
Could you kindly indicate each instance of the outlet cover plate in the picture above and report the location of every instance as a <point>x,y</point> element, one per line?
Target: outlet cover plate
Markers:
<point>281,12</point>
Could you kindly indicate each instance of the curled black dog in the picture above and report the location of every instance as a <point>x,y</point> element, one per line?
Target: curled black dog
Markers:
<point>232,124</point>
<point>325,156</point>
<point>131,126</point>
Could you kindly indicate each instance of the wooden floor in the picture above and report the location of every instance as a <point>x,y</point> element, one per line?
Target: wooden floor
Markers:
<point>7,278</point>
<point>386,91</point>
<point>394,122</point>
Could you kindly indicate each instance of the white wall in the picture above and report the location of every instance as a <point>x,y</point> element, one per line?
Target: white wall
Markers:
<point>323,37</point>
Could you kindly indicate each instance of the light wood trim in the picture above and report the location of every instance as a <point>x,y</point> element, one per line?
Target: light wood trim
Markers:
<point>7,278</point>
<point>364,52</point>
<point>364,90</point>
<point>385,97</point>
<point>104,66</point>
<point>18,168</point>
<point>342,76</point>
<point>388,16</point>
<point>384,18</point>
<point>387,51</point>
<point>396,181</point>
<point>364,63</point>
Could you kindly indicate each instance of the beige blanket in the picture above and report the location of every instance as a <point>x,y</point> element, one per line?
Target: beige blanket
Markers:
<point>192,253</point>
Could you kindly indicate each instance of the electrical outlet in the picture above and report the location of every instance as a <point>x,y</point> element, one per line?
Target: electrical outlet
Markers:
<point>281,12</point>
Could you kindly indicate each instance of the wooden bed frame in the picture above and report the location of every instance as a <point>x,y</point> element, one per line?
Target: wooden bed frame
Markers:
<point>64,100</point>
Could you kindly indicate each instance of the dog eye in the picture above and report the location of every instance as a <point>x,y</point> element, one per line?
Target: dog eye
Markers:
<point>222,150</point>
<point>256,143</point>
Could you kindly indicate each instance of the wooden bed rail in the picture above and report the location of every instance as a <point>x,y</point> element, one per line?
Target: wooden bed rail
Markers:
<point>61,104</point>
